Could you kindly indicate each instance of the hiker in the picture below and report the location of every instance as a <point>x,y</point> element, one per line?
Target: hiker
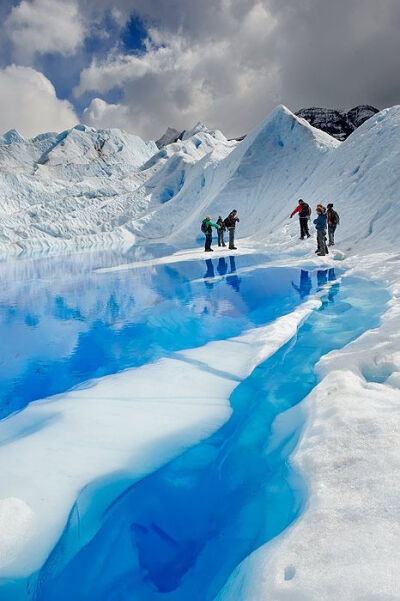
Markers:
<point>220,232</point>
<point>333,222</point>
<point>304,211</point>
<point>206,228</point>
<point>320,225</point>
<point>230,223</point>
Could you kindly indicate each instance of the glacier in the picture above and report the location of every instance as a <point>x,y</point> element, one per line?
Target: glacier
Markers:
<point>101,249</point>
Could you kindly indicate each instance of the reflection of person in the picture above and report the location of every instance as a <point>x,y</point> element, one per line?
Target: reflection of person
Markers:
<point>222,266</point>
<point>322,277</point>
<point>305,286</point>
<point>209,273</point>
<point>232,279</point>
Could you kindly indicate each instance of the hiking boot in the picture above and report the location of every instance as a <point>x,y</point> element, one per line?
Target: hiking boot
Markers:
<point>209,250</point>
<point>232,248</point>
<point>308,235</point>
<point>301,238</point>
<point>321,254</point>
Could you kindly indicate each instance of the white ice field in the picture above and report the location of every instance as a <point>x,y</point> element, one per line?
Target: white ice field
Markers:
<point>89,189</point>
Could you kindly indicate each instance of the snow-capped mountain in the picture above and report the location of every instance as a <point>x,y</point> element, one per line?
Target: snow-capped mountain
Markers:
<point>339,124</point>
<point>86,187</point>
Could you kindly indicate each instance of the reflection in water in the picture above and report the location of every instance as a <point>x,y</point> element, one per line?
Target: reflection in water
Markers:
<point>179,532</point>
<point>222,266</point>
<point>209,273</point>
<point>62,324</point>
<point>305,285</point>
<point>233,279</point>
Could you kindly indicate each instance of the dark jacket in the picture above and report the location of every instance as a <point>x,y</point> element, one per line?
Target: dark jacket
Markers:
<point>320,222</point>
<point>333,217</point>
<point>231,220</point>
<point>221,224</point>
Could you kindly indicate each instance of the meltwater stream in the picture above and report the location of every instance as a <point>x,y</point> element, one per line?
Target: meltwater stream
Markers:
<point>178,533</point>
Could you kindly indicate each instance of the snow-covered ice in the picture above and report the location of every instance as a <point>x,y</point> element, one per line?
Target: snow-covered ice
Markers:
<point>87,188</point>
<point>55,447</point>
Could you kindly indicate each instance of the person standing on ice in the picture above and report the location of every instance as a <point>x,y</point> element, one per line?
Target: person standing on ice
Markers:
<point>220,232</point>
<point>320,225</point>
<point>304,211</point>
<point>206,228</point>
<point>333,222</point>
<point>230,223</point>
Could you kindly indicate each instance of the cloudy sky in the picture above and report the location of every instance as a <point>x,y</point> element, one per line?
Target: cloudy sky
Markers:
<point>142,65</point>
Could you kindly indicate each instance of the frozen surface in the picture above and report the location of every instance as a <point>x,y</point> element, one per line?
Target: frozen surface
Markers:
<point>104,188</point>
<point>56,448</point>
<point>224,497</point>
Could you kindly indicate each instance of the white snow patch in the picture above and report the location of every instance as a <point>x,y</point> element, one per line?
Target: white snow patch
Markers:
<point>134,421</point>
<point>16,528</point>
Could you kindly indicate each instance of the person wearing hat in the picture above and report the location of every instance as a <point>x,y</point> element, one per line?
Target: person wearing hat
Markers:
<point>333,222</point>
<point>230,222</point>
<point>206,228</point>
<point>320,225</point>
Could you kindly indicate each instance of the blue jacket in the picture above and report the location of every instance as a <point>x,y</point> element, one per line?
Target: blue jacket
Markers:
<point>320,222</point>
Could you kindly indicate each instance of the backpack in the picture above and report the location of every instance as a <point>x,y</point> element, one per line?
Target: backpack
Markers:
<point>227,222</point>
<point>335,218</point>
<point>306,210</point>
<point>204,228</point>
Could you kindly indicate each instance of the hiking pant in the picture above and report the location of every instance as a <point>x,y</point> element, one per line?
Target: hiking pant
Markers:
<point>207,245</point>
<point>221,237</point>
<point>331,233</point>
<point>321,241</point>
<point>231,237</point>
<point>304,227</point>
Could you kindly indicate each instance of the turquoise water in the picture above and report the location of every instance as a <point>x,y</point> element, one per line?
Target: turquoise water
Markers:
<point>178,533</point>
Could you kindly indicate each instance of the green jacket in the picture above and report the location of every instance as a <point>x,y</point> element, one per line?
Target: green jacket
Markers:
<point>209,225</point>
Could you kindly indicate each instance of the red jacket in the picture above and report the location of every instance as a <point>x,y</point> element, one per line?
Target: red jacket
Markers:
<point>300,208</point>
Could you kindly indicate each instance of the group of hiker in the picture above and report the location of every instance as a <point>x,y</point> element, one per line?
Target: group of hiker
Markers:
<point>327,219</point>
<point>229,223</point>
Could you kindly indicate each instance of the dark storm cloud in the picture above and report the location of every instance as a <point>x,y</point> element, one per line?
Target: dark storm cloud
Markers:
<point>225,62</point>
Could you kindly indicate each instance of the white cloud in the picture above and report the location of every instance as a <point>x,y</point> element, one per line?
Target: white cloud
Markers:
<point>179,79</point>
<point>102,114</point>
<point>28,102</point>
<point>41,26</point>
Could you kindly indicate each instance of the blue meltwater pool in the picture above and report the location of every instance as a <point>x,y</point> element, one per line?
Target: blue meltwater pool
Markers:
<point>179,532</point>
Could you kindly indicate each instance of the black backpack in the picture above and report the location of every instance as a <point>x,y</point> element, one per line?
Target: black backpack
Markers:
<point>227,222</point>
<point>204,228</point>
<point>335,219</point>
